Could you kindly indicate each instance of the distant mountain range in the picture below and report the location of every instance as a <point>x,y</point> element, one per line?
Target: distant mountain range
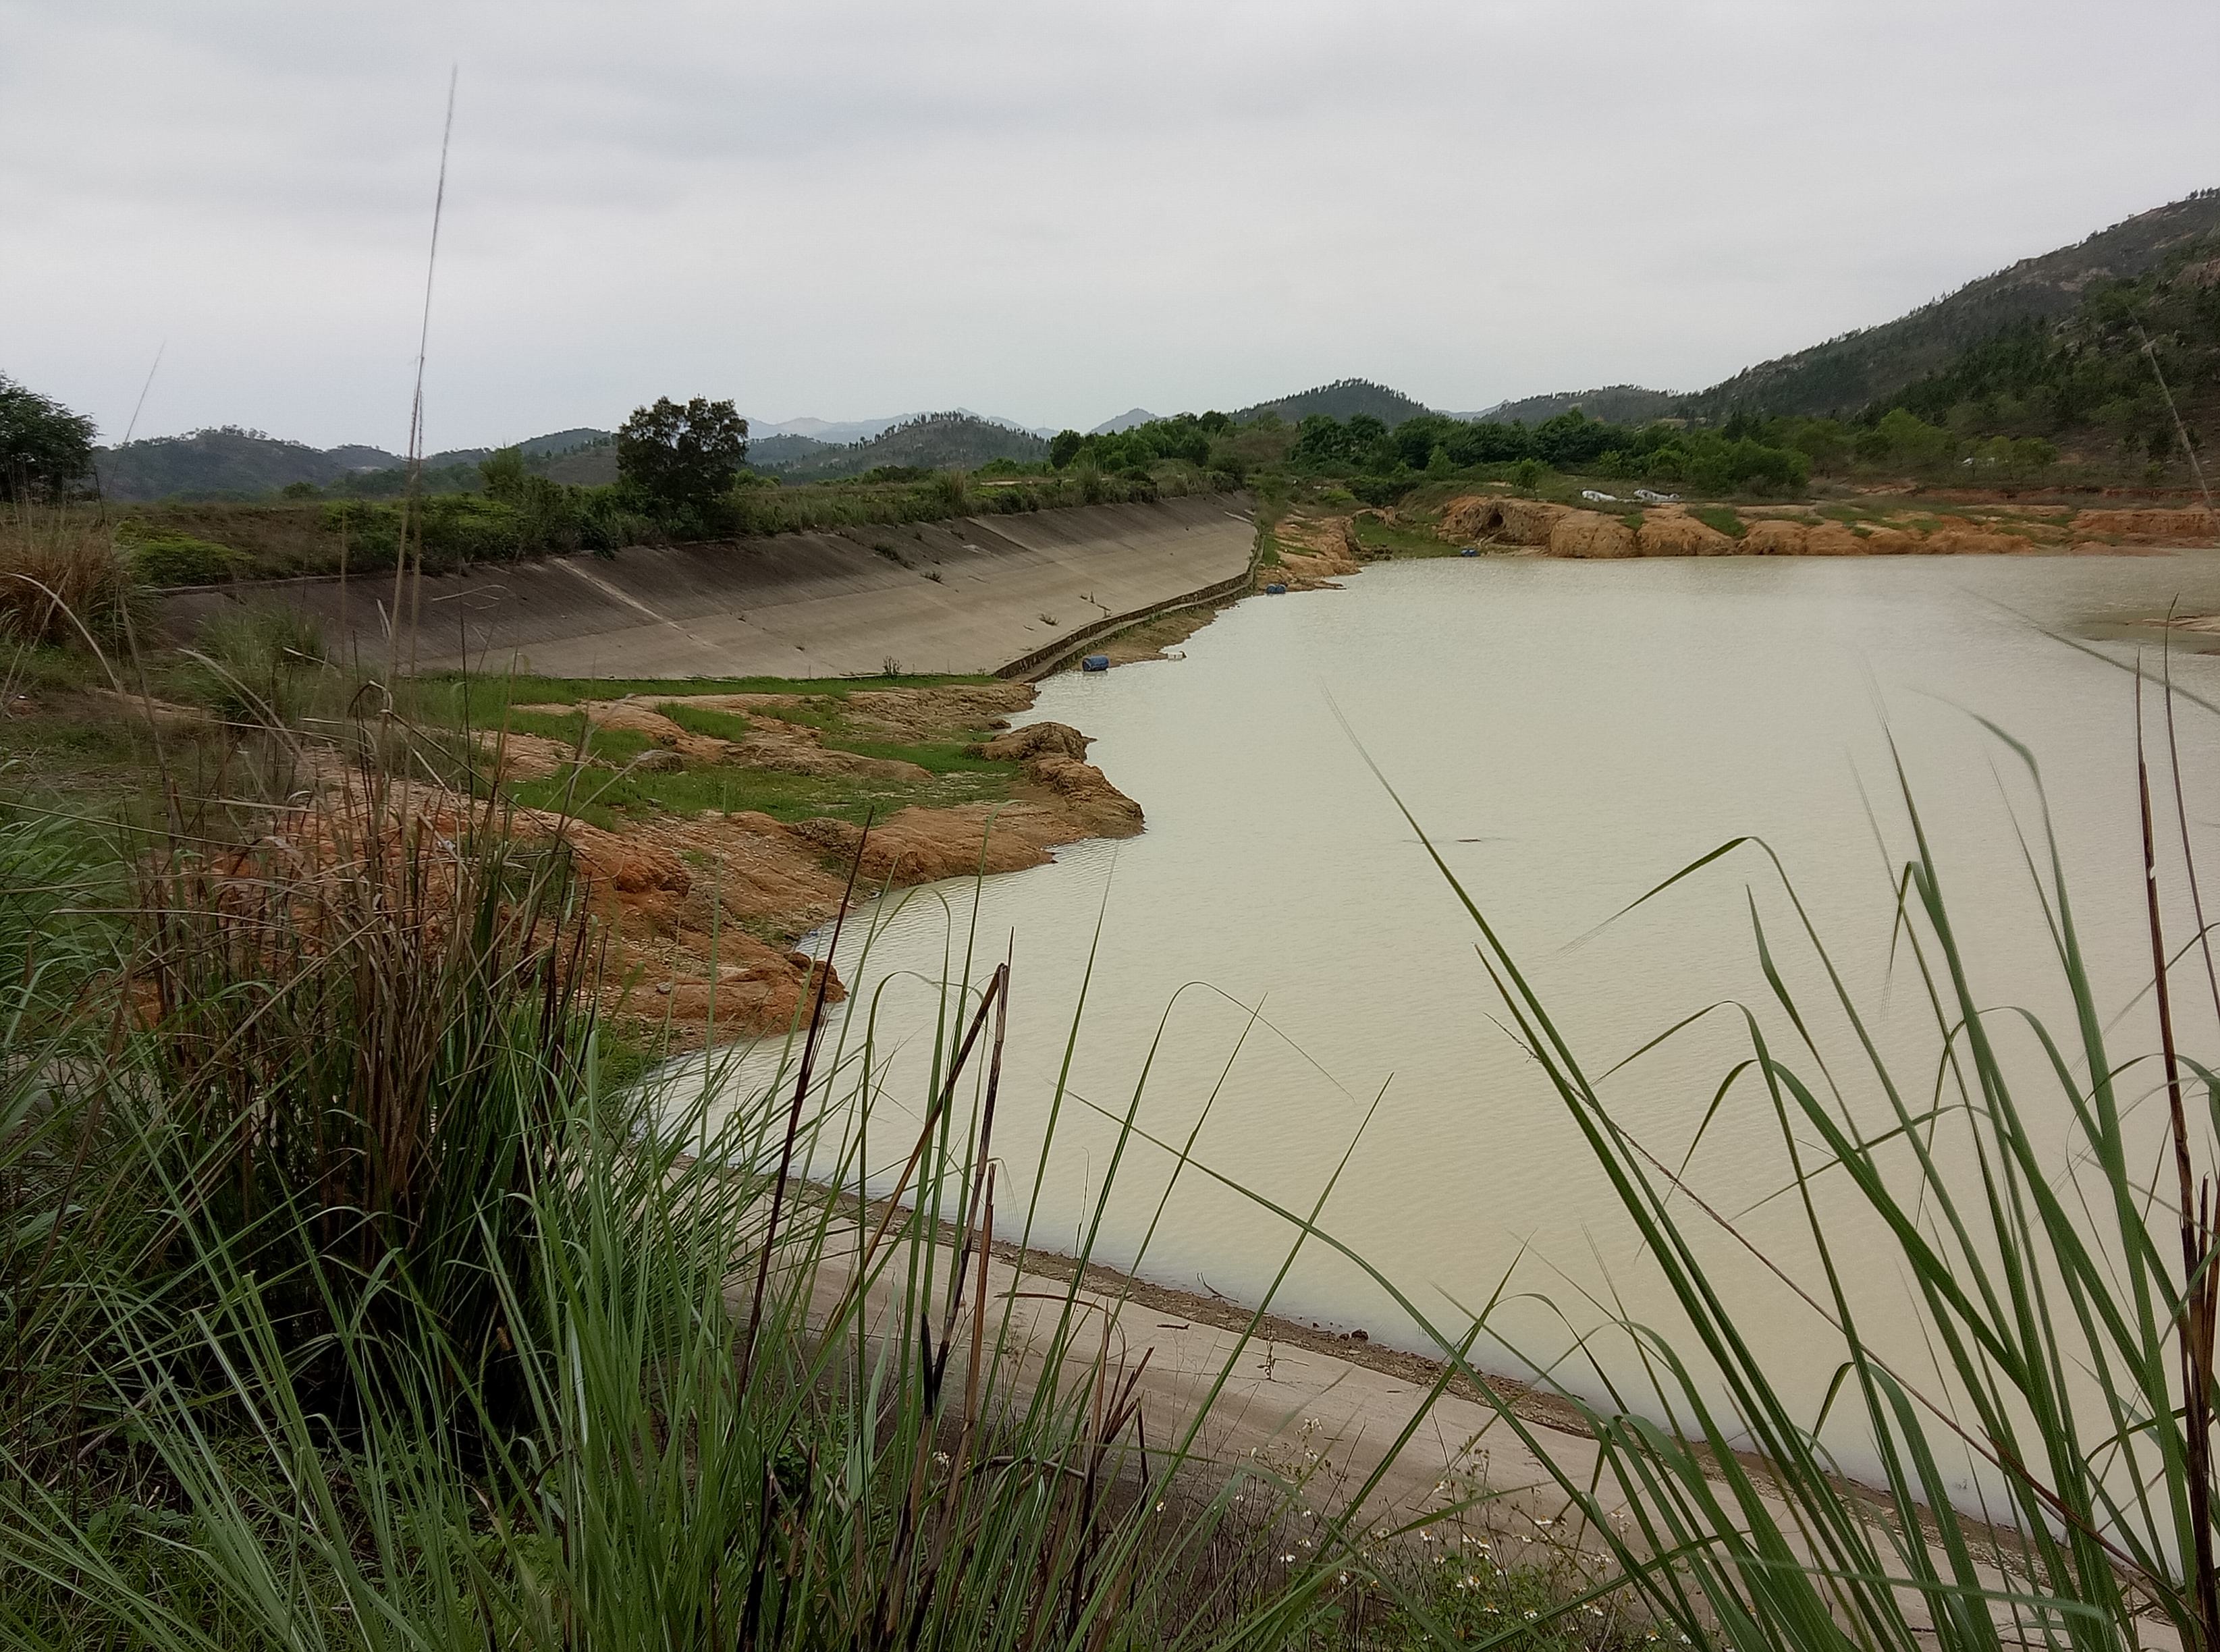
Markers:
<point>1916,354</point>
<point>232,463</point>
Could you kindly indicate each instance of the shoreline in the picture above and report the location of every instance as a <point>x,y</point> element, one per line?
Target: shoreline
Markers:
<point>1330,1402</point>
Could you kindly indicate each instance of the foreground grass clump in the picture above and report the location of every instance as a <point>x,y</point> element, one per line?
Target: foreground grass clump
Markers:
<point>349,1302</point>
<point>2050,1204</point>
<point>62,576</point>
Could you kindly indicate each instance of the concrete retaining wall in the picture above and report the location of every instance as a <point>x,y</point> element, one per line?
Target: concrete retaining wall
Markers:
<point>975,594</point>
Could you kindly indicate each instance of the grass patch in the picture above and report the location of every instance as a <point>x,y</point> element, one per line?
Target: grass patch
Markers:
<point>1722,518</point>
<point>607,795</point>
<point>935,756</point>
<point>702,719</point>
<point>614,798</point>
<point>613,746</point>
<point>448,697</point>
<point>1397,540</point>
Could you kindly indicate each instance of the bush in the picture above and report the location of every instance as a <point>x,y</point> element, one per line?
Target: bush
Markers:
<point>1381,490</point>
<point>252,660</point>
<point>373,532</point>
<point>161,559</point>
<point>953,490</point>
<point>458,529</point>
<point>58,572</point>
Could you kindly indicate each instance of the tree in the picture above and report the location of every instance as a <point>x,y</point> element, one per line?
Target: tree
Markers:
<point>2031,455</point>
<point>502,471</point>
<point>682,457</point>
<point>1911,440</point>
<point>45,449</point>
<point>1064,447</point>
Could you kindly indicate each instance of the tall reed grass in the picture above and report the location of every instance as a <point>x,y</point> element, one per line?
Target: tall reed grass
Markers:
<point>351,1300</point>
<point>60,570</point>
<point>2062,1281</point>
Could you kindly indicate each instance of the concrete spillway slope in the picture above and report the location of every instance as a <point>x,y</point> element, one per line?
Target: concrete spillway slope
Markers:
<point>972,595</point>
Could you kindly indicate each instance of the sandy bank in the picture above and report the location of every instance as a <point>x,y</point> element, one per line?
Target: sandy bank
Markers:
<point>1675,530</point>
<point>703,910</point>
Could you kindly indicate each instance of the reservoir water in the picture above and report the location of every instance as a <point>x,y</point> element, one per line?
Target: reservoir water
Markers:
<point>1570,734</point>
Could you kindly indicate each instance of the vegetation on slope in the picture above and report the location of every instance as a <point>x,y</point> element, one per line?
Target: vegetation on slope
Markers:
<point>232,464</point>
<point>933,441</point>
<point>2087,381</point>
<point>1345,398</point>
<point>1859,369</point>
<point>1618,404</point>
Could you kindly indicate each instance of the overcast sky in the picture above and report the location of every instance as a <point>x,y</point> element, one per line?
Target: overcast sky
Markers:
<point>1051,211</point>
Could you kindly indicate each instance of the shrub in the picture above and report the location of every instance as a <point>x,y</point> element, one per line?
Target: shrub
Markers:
<point>163,559</point>
<point>460,529</point>
<point>1381,490</point>
<point>953,490</point>
<point>58,572</point>
<point>251,661</point>
<point>373,532</point>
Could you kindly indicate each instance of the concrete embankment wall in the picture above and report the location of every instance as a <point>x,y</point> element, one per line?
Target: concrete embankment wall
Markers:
<point>977,593</point>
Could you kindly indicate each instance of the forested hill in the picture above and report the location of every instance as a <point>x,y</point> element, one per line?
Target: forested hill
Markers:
<point>231,463</point>
<point>931,441</point>
<point>1858,369</point>
<point>2085,383</point>
<point>1344,398</point>
<point>225,462</point>
<point>1618,404</point>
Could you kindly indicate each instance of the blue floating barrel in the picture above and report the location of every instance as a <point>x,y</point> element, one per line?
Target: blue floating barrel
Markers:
<point>1275,589</point>
<point>1095,663</point>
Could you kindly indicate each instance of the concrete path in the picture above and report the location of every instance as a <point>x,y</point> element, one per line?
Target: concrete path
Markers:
<point>970,595</point>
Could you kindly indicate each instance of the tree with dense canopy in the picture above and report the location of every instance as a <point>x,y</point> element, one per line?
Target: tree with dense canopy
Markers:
<point>45,450</point>
<point>682,457</point>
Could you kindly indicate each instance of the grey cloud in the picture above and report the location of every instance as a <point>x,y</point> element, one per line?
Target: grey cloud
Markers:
<point>1051,211</point>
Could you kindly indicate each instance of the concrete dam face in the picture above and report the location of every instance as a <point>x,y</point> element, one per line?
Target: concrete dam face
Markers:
<point>979,594</point>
